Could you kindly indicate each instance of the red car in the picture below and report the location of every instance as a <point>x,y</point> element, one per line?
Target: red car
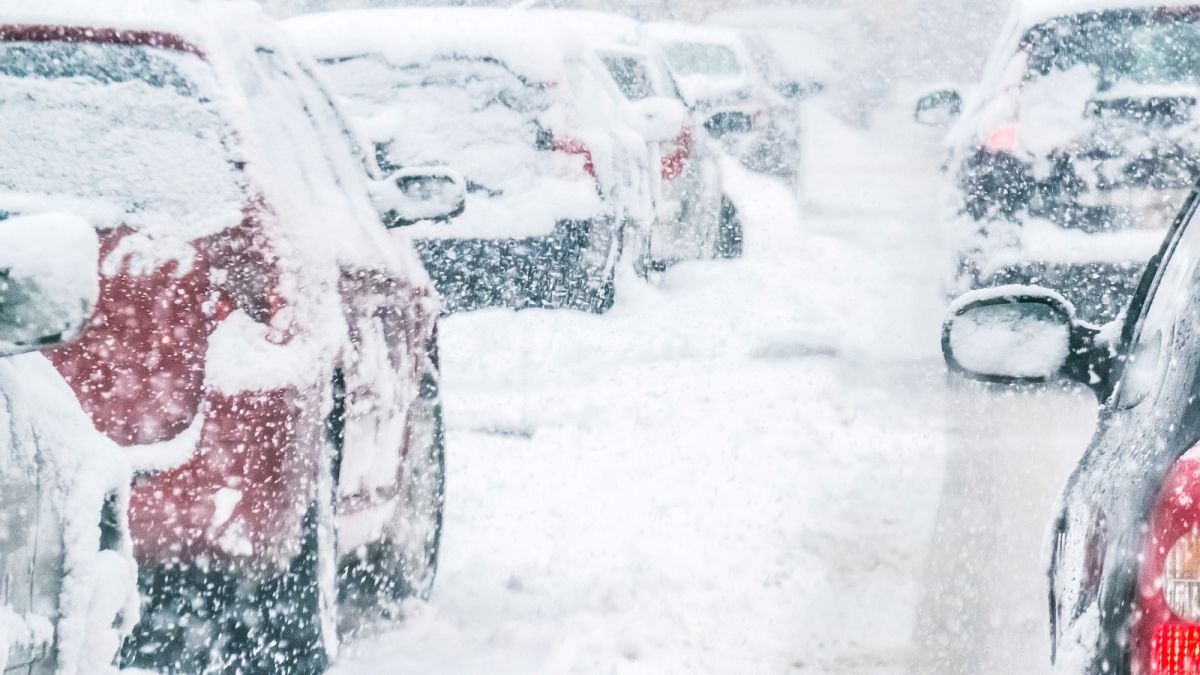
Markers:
<point>262,347</point>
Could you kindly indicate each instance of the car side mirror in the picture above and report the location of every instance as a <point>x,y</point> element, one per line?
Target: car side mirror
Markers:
<point>48,280</point>
<point>1020,335</point>
<point>659,118</point>
<point>939,108</point>
<point>729,122</point>
<point>418,194</point>
<point>799,90</point>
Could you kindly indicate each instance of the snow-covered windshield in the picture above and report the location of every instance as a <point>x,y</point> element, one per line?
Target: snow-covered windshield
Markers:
<point>702,58</point>
<point>1118,46</point>
<point>124,133</point>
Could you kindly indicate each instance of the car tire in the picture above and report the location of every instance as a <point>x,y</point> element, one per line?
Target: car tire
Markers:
<point>299,635</point>
<point>729,232</point>
<point>216,621</point>
<point>404,563</point>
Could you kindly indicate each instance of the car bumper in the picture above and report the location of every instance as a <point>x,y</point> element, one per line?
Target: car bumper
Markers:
<point>548,272</point>
<point>241,497</point>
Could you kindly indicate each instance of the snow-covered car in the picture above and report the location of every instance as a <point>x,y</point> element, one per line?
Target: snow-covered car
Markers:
<point>68,583</point>
<point>1125,547</point>
<point>693,216</point>
<point>262,348</point>
<point>804,50</point>
<point>515,103</point>
<point>1076,149</point>
<point>719,80</point>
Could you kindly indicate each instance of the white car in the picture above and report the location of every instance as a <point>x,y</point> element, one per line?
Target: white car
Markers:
<point>524,112</point>
<point>719,80</point>
<point>693,217</point>
<point>801,51</point>
<point>68,582</point>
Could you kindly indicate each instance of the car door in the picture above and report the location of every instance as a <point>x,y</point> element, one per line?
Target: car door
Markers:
<point>28,538</point>
<point>388,318</point>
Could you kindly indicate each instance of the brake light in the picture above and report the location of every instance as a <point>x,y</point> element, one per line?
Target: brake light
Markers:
<point>574,146</point>
<point>1003,139</point>
<point>675,154</point>
<point>1165,636</point>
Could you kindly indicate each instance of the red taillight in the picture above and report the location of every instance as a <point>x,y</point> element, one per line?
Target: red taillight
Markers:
<point>675,155</point>
<point>1176,650</point>
<point>1165,635</point>
<point>574,146</point>
<point>1003,139</point>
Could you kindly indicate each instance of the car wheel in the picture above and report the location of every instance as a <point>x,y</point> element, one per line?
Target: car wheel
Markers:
<point>404,563</point>
<point>729,231</point>
<point>206,620</point>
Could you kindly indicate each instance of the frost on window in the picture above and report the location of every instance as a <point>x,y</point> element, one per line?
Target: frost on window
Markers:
<point>127,134</point>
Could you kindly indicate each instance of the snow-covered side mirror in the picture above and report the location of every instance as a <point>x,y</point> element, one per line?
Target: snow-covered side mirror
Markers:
<point>420,193</point>
<point>1017,335</point>
<point>659,118</point>
<point>939,108</point>
<point>48,280</point>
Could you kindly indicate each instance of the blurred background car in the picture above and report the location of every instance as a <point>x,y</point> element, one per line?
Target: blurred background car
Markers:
<point>515,103</point>
<point>720,82</point>
<point>1076,150</point>
<point>263,351</point>
<point>68,582</point>
<point>805,50</point>
<point>694,219</point>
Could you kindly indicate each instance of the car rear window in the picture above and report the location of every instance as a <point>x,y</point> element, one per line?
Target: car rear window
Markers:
<point>1127,45</point>
<point>124,134</point>
<point>702,58</point>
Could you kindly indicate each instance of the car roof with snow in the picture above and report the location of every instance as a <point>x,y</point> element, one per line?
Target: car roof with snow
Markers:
<point>598,28</point>
<point>198,23</point>
<point>532,44</point>
<point>681,32</point>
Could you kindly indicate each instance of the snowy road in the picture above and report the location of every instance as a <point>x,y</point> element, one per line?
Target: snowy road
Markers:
<point>743,469</point>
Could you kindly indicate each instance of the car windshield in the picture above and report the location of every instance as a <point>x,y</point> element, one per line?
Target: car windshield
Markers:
<point>1132,46</point>
<point>702,58</point>
<point>631,76</point>
<point>123,133</point>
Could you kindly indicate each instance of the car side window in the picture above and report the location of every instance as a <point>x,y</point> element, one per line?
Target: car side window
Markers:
<point>631,76</point>
<point>1169,305</point>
